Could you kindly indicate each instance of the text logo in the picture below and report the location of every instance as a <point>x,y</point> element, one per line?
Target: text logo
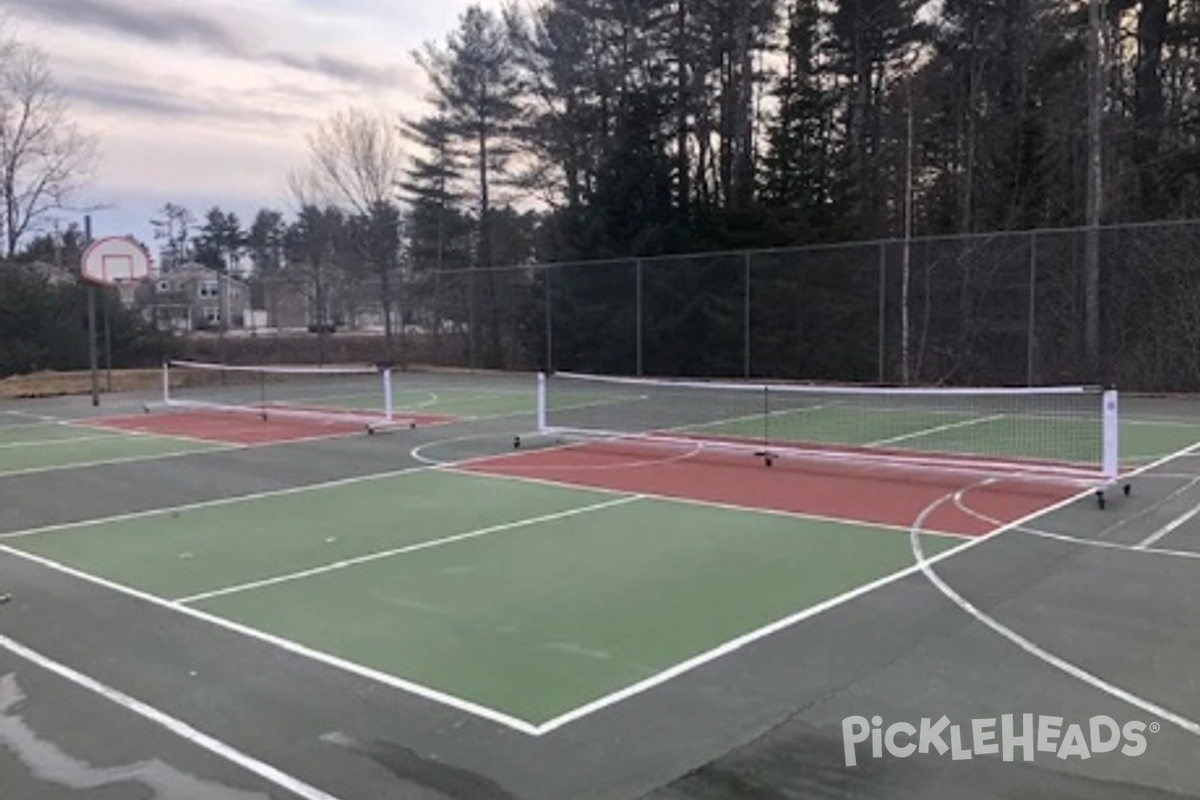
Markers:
<point>1008,736</point>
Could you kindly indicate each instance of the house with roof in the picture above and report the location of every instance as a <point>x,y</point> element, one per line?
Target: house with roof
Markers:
<point>193,297</point>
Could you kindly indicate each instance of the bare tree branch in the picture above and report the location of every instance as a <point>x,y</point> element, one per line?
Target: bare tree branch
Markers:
<point>358,160</point>
<point>45,158</point>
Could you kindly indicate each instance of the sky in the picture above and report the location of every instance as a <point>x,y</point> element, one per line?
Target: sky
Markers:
<point>209,102</point>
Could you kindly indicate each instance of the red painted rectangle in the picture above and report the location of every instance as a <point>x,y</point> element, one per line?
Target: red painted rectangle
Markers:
<point>889,495</point>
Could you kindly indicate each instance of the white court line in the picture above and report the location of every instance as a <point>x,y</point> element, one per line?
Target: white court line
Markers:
<point>67,440</point>
<point>314,399</point>
<point>478,533</point>
<point>949,426</point>
<point>926,566</point>
<point>36,416</point>
<point>756,417</point>
<point>164,720</point>
<point>773,628</point>
<point>466,469</point>
<point>1167,529</point>
<point>416,689</point>
<point>33,422</point>
<point>1099,541</point>
<point>1165,422</point>
<point>461,704</point>
<point>529,412</point>
<point>192,445</point>
<point>1030,647</point>
<point>214,448</point>
<point>222,501</point>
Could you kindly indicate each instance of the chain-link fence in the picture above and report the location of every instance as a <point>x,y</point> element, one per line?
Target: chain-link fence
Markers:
<point>1004,309</point>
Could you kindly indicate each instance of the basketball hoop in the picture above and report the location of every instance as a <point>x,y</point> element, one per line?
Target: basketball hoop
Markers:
<point>110,261</point>
<point>113,260</point>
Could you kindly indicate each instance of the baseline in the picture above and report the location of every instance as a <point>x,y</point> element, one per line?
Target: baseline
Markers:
<point>1168,529</point>
<point>741,642</point>
<point>176,726</point>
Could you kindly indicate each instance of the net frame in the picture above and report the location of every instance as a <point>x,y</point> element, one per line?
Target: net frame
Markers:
<point>1100,475</point>
<point>373,421</point>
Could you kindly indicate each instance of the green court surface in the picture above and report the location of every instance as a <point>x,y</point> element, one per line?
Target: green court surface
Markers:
<point>1063,438</point>
<point>527,599</point>
<point>452,402</point>
<point>1146,440</point>
<point>32,447</point>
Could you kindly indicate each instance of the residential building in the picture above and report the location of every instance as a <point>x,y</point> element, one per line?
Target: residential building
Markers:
<point>193,297</point>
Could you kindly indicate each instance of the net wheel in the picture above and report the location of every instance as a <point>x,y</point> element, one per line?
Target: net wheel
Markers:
<point>769,461</point>
<point>1127,489</point>
<point>516,443</point>
<point>1100,500</point>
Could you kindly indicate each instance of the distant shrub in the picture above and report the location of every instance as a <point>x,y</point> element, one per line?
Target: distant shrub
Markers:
<point>43,326</point>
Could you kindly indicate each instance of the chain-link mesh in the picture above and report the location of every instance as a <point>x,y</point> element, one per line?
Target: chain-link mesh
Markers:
<point>996,309</point>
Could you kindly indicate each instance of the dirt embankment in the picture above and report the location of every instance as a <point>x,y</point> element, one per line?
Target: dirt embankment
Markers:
<point>51,384</point>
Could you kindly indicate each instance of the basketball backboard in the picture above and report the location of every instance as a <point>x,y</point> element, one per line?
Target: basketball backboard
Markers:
<point>115,259</point>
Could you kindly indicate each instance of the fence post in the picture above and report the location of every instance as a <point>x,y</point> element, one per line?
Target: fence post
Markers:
<point>471,319</point>
<point>906,375</point>
<point>1030,353</point>
<point>638,313</point>
<point>882,378</point>
<point>549,367</point>
<point>746,318</point>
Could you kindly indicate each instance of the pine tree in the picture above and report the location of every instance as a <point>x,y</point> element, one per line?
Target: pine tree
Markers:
<point>803,173</point>
<point>475,80</point>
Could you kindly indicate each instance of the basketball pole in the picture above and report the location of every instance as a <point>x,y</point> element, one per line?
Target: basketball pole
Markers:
<point>93,355</point>
<point>107,343</point>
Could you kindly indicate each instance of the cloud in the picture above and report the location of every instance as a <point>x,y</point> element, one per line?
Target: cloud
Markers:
<point>166,27</point>
<point>157,25</point>
<point>120,97</point>
<point>337,68</point>
<point>128,98</point>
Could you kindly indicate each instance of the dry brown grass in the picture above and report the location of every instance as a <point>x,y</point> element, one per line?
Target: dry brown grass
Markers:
<point>52,384</point>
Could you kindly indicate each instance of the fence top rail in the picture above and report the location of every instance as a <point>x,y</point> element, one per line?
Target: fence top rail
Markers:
<point>276,369</point>
<point>837,389</point>
<point>1028,233</point>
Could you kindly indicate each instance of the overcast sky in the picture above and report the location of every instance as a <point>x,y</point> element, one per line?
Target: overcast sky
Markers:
<point>208,102</point>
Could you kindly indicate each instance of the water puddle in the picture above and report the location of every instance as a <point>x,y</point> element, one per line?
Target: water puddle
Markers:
<point>47,762</point>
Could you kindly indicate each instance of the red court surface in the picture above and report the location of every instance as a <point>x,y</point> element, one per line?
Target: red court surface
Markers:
<point>887,495</point>
<point>235,428</point>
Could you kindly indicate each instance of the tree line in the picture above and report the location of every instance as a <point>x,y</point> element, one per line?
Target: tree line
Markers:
<point>605,129</point>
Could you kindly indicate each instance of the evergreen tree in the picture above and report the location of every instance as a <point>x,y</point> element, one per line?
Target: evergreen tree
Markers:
<point>475,80</point>
<point>803,176</point>
<point>221,241</point>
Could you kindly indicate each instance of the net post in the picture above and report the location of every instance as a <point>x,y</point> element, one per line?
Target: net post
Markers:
<point>746,320</point>
<point>1110,458</point>
<point>166,382</point>
<point>388,397</point>
<point>262,391</point>
<point>638,328</point>
<point>541,402</point>
<point>766,411</point>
